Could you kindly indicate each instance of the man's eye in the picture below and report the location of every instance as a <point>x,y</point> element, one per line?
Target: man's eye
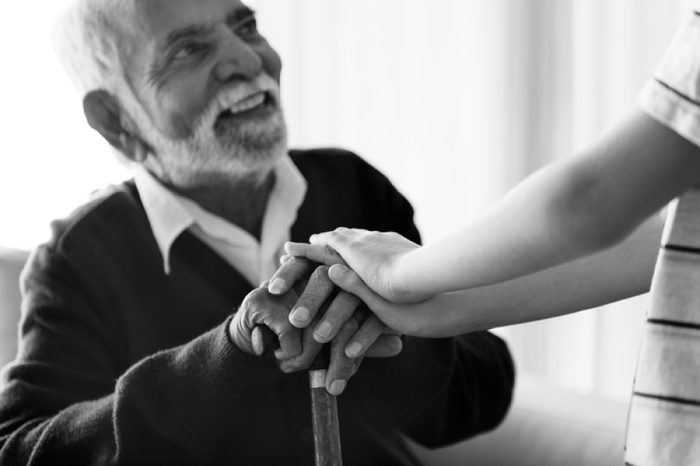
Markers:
<point>248,29</point>
<point>187,51</point>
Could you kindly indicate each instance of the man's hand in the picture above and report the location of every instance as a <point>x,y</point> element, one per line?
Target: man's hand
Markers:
<point>260,308</point>
<point>435,317</point>
<point>327,315</point>
<point>375,256</point>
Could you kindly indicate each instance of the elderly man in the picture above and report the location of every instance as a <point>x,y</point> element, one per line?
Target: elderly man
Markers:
<point>128,352</point>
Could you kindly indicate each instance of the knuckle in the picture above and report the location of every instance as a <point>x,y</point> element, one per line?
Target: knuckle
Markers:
<point>256,297</point>
<point>329,251</point>
<point>293,264</point>
<point>319,276</point>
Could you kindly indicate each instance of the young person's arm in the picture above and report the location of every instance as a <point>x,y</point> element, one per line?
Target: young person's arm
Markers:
<point>563,212</point>
<point>619,272</point>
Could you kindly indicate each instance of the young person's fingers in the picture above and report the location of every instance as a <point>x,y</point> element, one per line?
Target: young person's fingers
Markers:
<point>321,254</point>
<point>399,318</point>
<point>342,276</point>
<point>336,239</point>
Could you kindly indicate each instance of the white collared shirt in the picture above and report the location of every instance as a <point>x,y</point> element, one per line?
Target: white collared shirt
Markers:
<point>170,214</point>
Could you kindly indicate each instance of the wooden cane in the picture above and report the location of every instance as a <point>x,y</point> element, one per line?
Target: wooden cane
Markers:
<point>324,414</point>
<point>324,406</point>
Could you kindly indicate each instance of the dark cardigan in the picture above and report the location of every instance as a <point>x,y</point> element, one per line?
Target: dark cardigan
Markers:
<point>121,364</point>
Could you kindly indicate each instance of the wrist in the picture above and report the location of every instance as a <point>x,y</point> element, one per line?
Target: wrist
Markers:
<point>400,279</point>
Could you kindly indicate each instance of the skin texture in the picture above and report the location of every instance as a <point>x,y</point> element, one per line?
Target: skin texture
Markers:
<point>186,61</point>
<point>616,273</point>
<point>566,211</point>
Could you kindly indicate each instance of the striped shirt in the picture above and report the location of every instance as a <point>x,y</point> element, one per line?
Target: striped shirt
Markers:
<point>664,419</point>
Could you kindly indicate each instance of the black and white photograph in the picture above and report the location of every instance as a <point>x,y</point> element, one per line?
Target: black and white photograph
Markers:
<point>350,232</point>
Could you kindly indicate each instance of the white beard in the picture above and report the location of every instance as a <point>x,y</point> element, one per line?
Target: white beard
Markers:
<point>249,147</point>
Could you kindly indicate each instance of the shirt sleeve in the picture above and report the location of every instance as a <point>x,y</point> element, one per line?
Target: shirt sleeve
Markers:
<point>672,96</point>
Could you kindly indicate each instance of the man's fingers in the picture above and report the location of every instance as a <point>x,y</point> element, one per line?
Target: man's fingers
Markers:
<point>272,312</point>
<point>321,254</point>
<point>341,367</point>
<point>317,291</point>
<point>341,308</point>
<point>371,329</point>
<point>261,309</point>
<point>262,339</point>
<point>310,349</point>
<point>291,271</point>
<point>386,346</point>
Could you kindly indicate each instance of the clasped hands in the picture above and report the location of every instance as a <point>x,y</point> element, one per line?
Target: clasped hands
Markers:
<point>304,310</point>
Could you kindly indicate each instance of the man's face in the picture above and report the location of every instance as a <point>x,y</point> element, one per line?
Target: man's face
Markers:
<point>208,83</point>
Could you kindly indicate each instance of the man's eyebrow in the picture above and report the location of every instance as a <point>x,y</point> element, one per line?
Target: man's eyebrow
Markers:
<point>240,14</point>
<point>187,31</point>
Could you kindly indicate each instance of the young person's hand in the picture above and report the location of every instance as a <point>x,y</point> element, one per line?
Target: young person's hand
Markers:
<point>375,256</point>
<point>428,318</point>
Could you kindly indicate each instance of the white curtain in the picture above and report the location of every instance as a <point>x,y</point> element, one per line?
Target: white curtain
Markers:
<point>455,100</point>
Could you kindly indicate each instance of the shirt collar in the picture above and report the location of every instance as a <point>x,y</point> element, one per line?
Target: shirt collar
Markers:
<point>170,214</point>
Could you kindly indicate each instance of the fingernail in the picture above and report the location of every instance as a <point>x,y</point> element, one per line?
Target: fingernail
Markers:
<point>299,315</point>
<point>336,271</point>
<point>324,330</point>
<point>285,258</point>
<point>276,286</point>
<point>337,387</point>
<point>353,350</point>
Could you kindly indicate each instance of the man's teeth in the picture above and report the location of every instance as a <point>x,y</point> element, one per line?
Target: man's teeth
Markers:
<point>247,103</point>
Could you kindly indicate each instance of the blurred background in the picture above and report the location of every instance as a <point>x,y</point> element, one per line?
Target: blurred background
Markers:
<point>455,100</point>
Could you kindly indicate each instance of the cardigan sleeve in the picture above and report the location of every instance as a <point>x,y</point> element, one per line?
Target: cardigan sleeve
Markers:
<point>65,400</point>
<point>437,391</point>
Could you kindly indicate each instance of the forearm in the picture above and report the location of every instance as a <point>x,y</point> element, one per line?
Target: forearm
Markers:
<point>622,271</point>
<point>566,211</point>
<point>520,234</point>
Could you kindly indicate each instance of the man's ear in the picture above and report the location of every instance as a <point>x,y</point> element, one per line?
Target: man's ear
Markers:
<point>104,115</point>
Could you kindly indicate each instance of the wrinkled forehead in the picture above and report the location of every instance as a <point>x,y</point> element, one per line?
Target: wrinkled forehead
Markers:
<point>154,20</point>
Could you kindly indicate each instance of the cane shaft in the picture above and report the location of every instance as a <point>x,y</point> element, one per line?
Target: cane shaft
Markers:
<point>324,416</point>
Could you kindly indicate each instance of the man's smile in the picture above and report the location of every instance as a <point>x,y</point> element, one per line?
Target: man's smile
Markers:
<point>259,104</point>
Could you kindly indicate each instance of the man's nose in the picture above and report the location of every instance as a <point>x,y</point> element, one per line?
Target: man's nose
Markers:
<point>238,60</point>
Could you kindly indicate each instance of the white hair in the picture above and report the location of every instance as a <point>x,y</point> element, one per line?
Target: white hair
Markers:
<point>88,38</point>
